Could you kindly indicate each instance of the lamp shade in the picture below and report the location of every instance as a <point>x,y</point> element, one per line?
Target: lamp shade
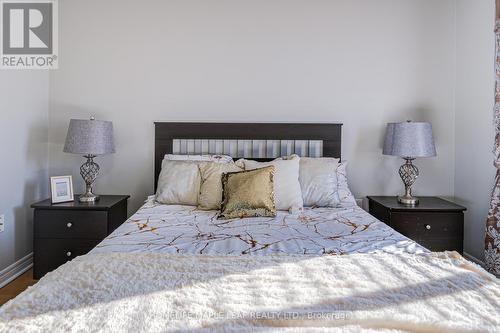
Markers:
<point>409,139</point>
<point>89,137</point>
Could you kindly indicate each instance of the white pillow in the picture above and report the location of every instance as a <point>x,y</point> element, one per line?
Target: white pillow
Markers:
<point>287,193</point>
<point>178,183</point>
<point>200,158</point>
<point>210,196</point>
<point>318,181</point>
<point>343,191</point>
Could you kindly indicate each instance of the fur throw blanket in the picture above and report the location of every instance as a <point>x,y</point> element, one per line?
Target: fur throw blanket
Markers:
<point>145,292</point>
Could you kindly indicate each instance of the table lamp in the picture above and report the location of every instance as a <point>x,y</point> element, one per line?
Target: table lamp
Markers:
<point>89,138</point>
<point>409,140</point>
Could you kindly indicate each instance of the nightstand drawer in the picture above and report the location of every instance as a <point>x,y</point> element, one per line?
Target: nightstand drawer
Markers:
<point>71,224</point>
<point>52,253</point>
<point>427,225</point>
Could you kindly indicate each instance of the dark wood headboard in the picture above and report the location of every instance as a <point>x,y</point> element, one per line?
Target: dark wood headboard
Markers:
<point>166,132</point>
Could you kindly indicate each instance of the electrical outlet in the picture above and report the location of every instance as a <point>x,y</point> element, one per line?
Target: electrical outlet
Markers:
<point>2,222</point>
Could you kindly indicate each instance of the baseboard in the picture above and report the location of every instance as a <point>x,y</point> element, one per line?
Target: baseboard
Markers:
<point>473,259</point>
<point>13,271</point>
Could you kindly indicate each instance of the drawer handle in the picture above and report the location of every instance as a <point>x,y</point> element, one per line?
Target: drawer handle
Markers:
<point>69,224</point>
<point>428,227</point>
<point>68,254</point>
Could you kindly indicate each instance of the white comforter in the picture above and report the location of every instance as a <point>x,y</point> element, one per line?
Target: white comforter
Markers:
<point>151,292</point>
<point>184,229</point>
<point>175,268</point>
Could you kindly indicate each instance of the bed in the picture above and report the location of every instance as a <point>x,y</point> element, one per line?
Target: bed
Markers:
<point>174,268</point>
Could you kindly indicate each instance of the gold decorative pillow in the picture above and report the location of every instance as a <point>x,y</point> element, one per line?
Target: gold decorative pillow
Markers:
<point>248,194</point>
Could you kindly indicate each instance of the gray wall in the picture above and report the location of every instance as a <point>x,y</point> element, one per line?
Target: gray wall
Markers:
<point>360,62</point>
<point>24,157</point>
<point>474,171</point>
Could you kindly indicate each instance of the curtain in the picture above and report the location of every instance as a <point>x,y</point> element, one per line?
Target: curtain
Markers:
<point>492,239</point>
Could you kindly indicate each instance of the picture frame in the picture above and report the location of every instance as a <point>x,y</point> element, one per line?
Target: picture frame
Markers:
<point>61,188</point>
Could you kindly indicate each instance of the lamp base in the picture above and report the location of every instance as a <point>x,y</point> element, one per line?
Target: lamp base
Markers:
<point>89,171</point>
<point>89,198</point>
<point>409,174</point>
<point>408,200</point>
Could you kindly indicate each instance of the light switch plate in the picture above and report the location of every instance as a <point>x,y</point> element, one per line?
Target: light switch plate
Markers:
<point>2,222</point>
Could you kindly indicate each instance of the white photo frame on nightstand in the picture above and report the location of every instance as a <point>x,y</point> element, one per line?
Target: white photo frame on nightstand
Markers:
<point>61,188</point>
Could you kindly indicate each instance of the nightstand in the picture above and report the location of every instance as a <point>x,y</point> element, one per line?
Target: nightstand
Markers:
<point>435,223</point>
<point>66,230</point>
